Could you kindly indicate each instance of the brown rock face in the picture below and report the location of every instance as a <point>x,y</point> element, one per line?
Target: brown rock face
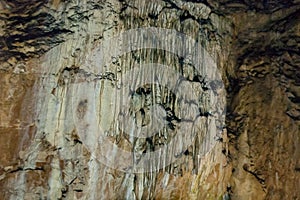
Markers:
<point>53,82</point>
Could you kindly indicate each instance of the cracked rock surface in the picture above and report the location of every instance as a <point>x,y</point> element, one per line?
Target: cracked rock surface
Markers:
<point>43,49</point>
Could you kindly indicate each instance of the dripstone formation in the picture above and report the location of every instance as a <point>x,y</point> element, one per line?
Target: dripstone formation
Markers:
<point>44,46</point>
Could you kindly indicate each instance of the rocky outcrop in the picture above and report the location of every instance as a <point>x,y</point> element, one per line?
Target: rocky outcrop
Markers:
<point>44,48</point>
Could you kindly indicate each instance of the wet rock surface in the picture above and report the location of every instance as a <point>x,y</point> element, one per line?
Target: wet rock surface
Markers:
<point>43,47</point>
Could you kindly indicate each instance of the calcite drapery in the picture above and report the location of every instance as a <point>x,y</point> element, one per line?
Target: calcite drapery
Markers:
<point>256,48</point>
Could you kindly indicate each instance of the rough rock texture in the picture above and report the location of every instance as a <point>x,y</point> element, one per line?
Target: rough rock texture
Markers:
<point>255,46</point>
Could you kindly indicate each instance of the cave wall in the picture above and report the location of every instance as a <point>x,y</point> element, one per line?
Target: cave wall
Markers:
<point>255,46</point>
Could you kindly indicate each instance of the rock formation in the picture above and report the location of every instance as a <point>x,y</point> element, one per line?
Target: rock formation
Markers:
<point>44,49</point>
